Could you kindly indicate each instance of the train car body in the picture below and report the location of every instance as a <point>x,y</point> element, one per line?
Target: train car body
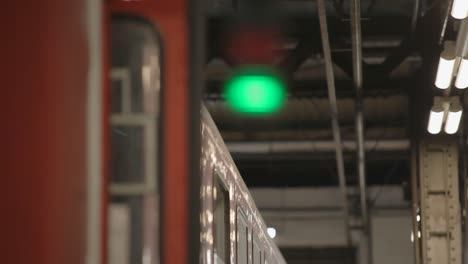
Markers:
<point>232,229</point>
<point>52,130</point>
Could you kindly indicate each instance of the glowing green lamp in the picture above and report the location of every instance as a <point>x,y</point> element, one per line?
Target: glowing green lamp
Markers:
<point>255,91</point>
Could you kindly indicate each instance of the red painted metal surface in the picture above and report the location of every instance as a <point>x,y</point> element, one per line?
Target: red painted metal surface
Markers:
<point>106,150</point>
<point>170,19</point>
<point>43,134</point>
<point>250,45</point>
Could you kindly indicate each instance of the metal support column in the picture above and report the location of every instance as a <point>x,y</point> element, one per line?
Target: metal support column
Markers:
<point>366,239</point>
<point>415,201</point>
<point>440,203</point>
<point>463,169</point>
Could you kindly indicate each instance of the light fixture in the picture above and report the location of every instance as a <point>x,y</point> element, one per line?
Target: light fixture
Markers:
<point>446,66</point>
<point>460,9</point>
<point>418,218</point>
<point>436,117</point>
<point>412,236</point>
<point>271,232</point>
<point>462,77</point>
<point>454,116</point>
<point>255,90</point>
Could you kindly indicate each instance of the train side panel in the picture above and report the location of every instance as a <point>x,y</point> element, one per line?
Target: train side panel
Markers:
<point>248,239</point>
<point>45,137</point>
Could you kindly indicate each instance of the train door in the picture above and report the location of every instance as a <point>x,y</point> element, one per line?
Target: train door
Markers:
<point>156,86</point>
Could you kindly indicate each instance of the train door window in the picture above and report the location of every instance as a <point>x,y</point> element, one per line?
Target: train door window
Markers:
<point>221,222</point>
<point>257,253</point>
<point>134,104</point>
<point>242,238</point>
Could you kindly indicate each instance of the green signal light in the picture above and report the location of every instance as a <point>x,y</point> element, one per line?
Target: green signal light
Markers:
<point>255,91</point>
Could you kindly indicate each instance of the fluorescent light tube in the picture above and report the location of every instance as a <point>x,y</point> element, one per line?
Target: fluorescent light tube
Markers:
<point>446,66</point>
<point>453,122</point>
<point>436,117</point>
<point>462,76</point>
<point>444,73</point>
<point>454,117</point>
<point>460,9</point>
<point>435,122</point>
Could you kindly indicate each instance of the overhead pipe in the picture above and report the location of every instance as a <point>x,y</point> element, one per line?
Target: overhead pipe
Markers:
<point>445,22</point>
<point>462,39</point>
<point>415,16</point>
<point>266,147</point>
<point>357,78</point>
<point>322,13</point>
<point>355,14</point>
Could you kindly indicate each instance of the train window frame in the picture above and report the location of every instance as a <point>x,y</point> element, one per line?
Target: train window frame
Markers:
<point>146,209</point>
<point>150,174</point>
<point>149,118</point>
<point>122,75</point>
<point>241,216</point>
<point>218,183</point>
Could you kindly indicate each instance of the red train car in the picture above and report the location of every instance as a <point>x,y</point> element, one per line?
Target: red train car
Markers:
<point>102,110</point>
<point>51,166</point>
<point>60,117</point>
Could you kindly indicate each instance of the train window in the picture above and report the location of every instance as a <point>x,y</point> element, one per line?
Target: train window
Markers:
<point>221,222</point>
<point>134,104</point>
<point>127,152</point>
<point>242,238</point>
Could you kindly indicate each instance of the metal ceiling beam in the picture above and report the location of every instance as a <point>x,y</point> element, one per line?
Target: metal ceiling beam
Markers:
<point>276,172</point>
<point>377,26</point>
<point>297,56</point>
<point>407,46</point>
<point>294,26</point>
<point>318,88</point>
<point>254,126</point>
<point>322,13</point>
<point>377,156</point>
<point>268,147</point>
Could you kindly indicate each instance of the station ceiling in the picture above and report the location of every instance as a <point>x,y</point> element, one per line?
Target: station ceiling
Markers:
<point>399,64</point>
